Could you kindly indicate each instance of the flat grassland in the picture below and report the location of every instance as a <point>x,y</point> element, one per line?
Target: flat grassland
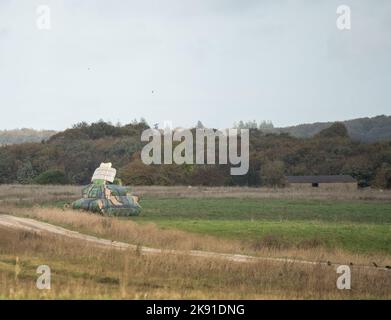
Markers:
<point>341,226</point>
<point>356,226</point>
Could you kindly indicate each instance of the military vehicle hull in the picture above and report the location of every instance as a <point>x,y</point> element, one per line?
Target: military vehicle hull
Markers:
<point>111,200</point>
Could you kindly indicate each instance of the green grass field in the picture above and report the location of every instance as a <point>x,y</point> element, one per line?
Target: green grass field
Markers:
<point>357,226</point>
<point>344,231</point>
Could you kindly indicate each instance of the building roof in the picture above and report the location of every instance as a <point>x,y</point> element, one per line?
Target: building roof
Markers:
<point>321,179</point>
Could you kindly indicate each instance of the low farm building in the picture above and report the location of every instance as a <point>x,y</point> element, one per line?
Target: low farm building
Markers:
<point>322,181</point>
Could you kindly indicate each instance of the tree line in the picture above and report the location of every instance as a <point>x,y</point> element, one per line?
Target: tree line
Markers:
<point>71,156</point>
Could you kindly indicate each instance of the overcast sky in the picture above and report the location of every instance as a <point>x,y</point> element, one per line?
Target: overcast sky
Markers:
<point>218,61</point>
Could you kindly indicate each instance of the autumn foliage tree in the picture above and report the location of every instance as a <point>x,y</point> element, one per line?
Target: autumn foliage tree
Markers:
<point>78,151</point>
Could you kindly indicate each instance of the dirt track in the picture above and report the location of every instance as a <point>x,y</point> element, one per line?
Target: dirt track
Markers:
<point>31,225</point>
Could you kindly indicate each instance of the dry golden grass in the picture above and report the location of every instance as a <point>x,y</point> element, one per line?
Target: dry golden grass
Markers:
<point>123,230</point>
<point>26,194</point>
<point>150,235</point>
<point>322,193</point>
<point>80,271</point>
<point>39,194</point>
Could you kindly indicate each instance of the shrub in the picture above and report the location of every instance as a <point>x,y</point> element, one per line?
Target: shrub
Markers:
<point>272,174</point>
<point>25,174</point>
<point>51,177</point>
<point>383,177</point>
<point>337,129</point>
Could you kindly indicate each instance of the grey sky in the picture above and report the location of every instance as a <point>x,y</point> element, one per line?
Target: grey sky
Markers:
<point>218,61</point>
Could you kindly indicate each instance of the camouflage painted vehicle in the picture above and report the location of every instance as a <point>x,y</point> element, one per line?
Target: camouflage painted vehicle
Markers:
<point>103,197</point>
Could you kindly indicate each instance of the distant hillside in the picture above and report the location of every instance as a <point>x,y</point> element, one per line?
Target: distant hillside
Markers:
<point>367,130</point>
<point>363,129</point>
<point>24,135</point>
<point>71,156</point>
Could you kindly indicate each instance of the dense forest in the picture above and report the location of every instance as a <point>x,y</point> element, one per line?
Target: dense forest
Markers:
<point>71,156</point>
